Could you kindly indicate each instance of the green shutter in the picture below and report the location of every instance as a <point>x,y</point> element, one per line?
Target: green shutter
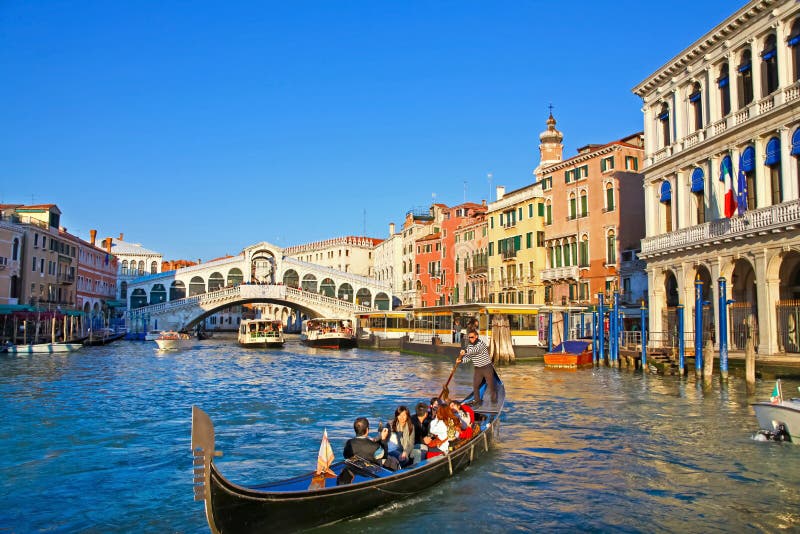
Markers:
<point>529,240</point>
<point>517,242</point>
<point>541,209</point>
<point>530,210</point>
<point>519,212</point>
<point>491,249</point>
<point>491,221</point>
<point>603,165</point>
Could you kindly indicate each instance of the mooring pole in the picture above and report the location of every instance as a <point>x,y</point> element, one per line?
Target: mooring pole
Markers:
<point>723,328</point>
<point>681,342</point>
<point>565,326</point>
<point>594,338</point>
<point>643,317</point>
<point>550,333</point>
<point>614,330</point>
<point>602,327</point>
<point>698,327</point>
<point>583,326</point>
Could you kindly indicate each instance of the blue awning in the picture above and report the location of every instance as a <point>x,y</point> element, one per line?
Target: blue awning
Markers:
<point>698,180</point>
<point>747,161</point>
<point>722,82</point>
<point>768,54</point>
<point>664,116</point>
<point>773,152</point>
<point>794,40</point>
<point>725,167</point>
<point>694,97</point>
<point>796,143</point>
<point>666,191</point>
<point>744,68</point>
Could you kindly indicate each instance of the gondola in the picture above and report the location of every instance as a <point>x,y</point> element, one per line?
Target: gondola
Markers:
<point>309,501</point>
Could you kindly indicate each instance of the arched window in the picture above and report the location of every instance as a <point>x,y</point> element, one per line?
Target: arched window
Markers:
<point>558,255</point>
<point>663,119</point>
<point>724,85</point>
<point>572,206</point>
<point>584,260</point>
<point>793,41</point>
<point>567,257</point>
<point>773,163</point>
<point>611,247</point>
<point>548,212</point>
<point>141,267</point>
<point>696,102</point>
<point>745,79</point>
<point>124,266</point>
<point>584,204</point>
<point>746,192</point>
<point>666,201</point>
<point>698,188</point>
<point>153,267</point>
<point>15,250</point>
<point>769,70</point>
<point>609,196</point>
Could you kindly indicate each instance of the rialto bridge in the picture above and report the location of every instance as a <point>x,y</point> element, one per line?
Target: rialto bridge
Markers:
<point>261,273</point>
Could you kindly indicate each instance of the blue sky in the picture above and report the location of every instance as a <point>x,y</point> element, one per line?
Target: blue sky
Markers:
<point>198,128</point>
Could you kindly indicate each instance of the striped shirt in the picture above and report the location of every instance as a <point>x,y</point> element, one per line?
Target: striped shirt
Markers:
<point>478,353</point>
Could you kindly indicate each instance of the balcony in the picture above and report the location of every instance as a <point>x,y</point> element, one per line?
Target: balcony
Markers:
<point>509,255</point>
<point>784,217</point>
<point>476,270</point>
<point>65,278</point>
<point>560,273</point>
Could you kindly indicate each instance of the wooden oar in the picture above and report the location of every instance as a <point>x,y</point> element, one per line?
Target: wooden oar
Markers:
<point>446,392</point>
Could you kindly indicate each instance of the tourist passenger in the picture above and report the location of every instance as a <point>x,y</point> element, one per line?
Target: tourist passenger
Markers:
<point>477,352</point>
<point>422,424</point>
<point>445,428</point>
<point>373,450</point>
<point>401,437</point>
<point>467,416</point>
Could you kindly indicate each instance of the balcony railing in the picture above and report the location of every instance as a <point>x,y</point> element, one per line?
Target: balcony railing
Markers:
<point>477,269</point>
<point>560,273</point>
<point>66,278</point>
<point>772,219</point>
<point>509,254</point>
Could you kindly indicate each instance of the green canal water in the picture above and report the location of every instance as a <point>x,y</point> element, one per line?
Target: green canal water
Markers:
<point>99,441</point>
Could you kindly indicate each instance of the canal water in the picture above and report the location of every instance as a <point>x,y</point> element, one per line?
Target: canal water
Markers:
<point>99,441</point>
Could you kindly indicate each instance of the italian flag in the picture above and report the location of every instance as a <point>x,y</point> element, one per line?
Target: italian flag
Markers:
<point>730,195</point>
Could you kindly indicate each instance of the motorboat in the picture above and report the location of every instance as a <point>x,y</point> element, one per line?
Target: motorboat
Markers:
<point>313,499</point>
<point>152,335</point>
<point>779,418</point>
<point>171,340</point>
<point>44,348</point>
<point>328,333</point>
<point>570,355</point>
<point>261,333</point>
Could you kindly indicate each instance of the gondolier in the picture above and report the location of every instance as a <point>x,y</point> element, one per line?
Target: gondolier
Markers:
<point>477,352</point>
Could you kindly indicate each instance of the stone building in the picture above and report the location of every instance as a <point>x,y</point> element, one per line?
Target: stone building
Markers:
<point>719,117</point>
<point>594,208</point>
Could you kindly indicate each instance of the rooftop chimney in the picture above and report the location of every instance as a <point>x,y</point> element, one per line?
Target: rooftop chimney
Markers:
<point>501,192</point>
<point>391,229</point>
<point>92,236</point>
<point>121,236</point>
<point>483,202</point>
<point>108,244</point>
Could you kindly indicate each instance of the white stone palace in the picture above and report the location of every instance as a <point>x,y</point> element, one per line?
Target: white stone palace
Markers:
<point>723,115</point>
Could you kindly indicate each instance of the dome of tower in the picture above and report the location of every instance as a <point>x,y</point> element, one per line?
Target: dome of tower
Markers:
<point>551,135</point>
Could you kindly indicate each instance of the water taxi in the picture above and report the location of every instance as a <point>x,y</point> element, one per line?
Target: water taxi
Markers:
<point>171,340</point>
<point>261,333</point>
<point>328,333</point>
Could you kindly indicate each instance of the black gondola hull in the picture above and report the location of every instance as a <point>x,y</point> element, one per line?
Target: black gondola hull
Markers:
<point>292,505</point>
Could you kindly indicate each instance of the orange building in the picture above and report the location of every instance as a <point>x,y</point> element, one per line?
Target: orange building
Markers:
<point>594,220</point>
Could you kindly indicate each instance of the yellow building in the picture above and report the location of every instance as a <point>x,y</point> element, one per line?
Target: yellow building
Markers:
<point>516,246</point>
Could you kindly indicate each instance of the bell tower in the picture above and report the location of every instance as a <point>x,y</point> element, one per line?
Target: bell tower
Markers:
<point>551,149</point>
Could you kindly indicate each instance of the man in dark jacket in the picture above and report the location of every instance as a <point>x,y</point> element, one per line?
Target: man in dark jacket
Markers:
<point>373,450</point>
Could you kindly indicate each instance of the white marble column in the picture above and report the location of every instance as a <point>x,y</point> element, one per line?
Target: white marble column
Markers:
<point>788,181</point>
<point>679,207</point>
<point>678,129</point>
<point>767,291</point>
<point>733,82</point>
<point>783,54</point>
<point>712,107</point>
<point>756,47</point>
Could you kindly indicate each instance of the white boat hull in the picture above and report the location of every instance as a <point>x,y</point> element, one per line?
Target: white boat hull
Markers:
<point>174,344</point>
<point>44,348</point>
<point>786,413</point>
